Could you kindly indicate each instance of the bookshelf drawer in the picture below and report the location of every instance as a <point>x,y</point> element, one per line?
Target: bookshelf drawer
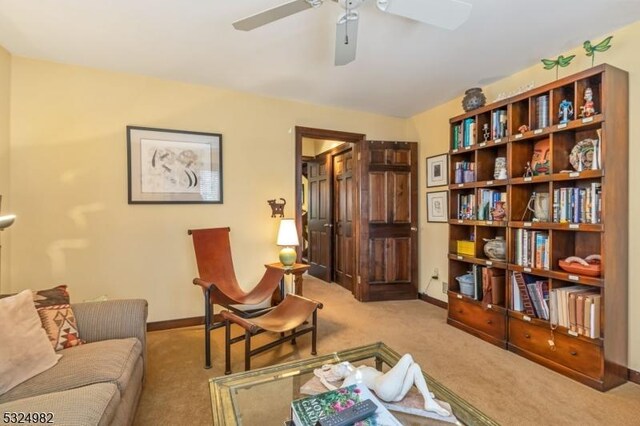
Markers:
<point>573,353</point>
<point>475,316</point>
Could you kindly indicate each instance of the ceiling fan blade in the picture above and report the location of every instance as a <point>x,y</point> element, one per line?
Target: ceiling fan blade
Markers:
<point>448,14</point>
<point>270,15</point>
<point>346,38</point>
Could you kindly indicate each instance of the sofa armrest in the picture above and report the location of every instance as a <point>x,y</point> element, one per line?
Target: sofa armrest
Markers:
<point>112,319</point>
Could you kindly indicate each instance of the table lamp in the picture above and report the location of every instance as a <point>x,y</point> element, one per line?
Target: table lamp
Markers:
<point>6,221</point>
<point>288,238</point>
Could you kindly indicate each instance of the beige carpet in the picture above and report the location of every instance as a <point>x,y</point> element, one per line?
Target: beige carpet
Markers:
<point>507,387</point>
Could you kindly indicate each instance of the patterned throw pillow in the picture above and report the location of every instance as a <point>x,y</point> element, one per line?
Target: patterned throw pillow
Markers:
<point>57,317</point>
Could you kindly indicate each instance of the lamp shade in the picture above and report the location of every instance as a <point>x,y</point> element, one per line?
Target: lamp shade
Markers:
<point>287,233</point>
<point>7,220</point>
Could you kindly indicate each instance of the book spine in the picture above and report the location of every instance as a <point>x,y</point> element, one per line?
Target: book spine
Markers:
<point>526,300</point>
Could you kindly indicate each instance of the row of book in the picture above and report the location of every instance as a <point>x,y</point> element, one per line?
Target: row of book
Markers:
<point>465,172</point>
<point>464,135</point>
<point>578,309</point>
<point>467,206</point>
<point>488,284</point>
<point>499,123</point>
<point>490,199</point>
<point>530,295</point>
<point>532,249</point>
<point>578,205</point>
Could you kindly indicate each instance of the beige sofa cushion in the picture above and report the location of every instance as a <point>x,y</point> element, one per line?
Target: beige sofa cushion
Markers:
<point>88,405</point>
<point>25,350</point>
<point>98,362</point>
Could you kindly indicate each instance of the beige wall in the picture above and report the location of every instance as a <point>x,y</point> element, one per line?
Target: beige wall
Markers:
<point>432,126</point>
<point>69,181</point>
<point>5,98</point>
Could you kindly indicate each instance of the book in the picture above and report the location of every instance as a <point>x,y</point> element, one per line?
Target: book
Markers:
<point>308,410</point>
<point>526,300</point>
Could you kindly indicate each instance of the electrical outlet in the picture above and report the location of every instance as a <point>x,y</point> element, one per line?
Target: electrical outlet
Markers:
<point>445,287</point>
<point>435,274</point>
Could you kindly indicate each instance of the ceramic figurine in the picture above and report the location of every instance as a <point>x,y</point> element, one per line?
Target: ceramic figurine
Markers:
<point>485,132</point>
<point>500,168</point>
<point>528,172</point>
<point>495,249</point>
<point>588,109</point>
<point>499,212</point>
<point>523,129</point>
<point>473,99</point>
<point>565,111</point>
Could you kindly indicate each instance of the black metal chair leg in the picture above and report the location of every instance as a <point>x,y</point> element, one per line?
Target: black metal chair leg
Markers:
<point>227,347</point>
<point>207,328</point>
<point>247,350</point>
<point>314,332</point>
<point>293,341</point>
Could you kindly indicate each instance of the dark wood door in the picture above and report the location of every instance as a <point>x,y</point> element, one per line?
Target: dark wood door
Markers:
<point>343,195</point>
<point>388,234</point>
<point>320,219</point>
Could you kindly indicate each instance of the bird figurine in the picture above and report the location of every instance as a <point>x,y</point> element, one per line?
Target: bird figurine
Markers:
<point>591,49</point>
<point>550,64</point>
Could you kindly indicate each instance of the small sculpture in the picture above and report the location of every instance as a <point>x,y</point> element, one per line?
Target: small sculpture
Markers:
<point>499,212</point>
<point>590,266</point>
<point>588,109</point>
<point>560,62</point>
<point>528,172</point>
<point>523,129</point>
<point>591,50</point>
<point>496,248</point>
<point>391,386</point>
<point>277,208</point>
<point>565,111</point>
<point>540,160</point>
<point>473,99</point>
<point>485,131</point>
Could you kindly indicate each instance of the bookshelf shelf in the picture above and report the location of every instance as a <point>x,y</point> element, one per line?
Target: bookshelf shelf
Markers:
<point>583,213</point>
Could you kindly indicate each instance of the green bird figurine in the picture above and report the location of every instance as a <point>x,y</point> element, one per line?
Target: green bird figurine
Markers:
<point>591,50</point>
<point>550,64</point>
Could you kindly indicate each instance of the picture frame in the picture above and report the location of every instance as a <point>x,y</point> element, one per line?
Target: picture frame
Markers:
<point>437,170</point>
<point>168,166</point>
<point>438,206</point>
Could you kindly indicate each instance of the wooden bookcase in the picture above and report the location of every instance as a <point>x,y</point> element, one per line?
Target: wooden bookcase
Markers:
<point>598,362</point>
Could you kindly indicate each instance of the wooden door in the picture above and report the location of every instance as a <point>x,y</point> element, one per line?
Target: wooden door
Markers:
<point>388,231</point>
<point>343,194</point>
<point>320,220</point>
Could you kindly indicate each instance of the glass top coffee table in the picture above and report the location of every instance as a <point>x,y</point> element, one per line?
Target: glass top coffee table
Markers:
<point>263,396</point>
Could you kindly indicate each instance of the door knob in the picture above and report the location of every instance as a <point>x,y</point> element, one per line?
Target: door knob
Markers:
<point>414,228</point>
<point>328,225</point>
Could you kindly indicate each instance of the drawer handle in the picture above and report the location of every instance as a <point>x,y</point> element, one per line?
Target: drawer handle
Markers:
<point>489,322</point>
<point>527,335</point>
<point>574,353</point>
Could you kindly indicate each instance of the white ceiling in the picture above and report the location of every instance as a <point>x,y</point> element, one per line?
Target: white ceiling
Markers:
<point>402,67</point>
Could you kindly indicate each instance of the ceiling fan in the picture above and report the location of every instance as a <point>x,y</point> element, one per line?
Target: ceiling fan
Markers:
<point>448,14</point>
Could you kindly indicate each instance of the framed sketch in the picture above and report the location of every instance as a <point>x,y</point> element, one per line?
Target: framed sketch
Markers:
<point>437,206</point>
<point>174,166</point>
<point>437,171</point>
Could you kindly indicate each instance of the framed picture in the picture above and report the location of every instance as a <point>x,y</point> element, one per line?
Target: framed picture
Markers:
<point>437,206</point>
<point>174,166</point>
<point>437,171</point>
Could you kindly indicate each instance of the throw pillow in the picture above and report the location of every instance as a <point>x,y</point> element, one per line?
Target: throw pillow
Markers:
<point>25,350</point>
<point>57,317</point>
<point>51,296</point>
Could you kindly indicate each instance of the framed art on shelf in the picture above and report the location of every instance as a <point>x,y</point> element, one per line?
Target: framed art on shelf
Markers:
<point>437,210</point>
<point>174,166</point>
<point>437,173</point>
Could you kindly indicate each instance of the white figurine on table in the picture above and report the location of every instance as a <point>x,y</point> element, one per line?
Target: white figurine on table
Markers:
<point>391,386</point>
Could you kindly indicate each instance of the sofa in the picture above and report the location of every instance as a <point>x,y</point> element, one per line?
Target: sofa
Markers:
<point>96,383</point>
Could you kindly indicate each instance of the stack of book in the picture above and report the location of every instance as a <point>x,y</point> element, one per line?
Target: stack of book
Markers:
<point>530,295</point>
<point>488,199</point>
<point>467,206</point>
<point>499,123</point>
<point>578,205</point>
<point>532,249</point>
<point>465,172</point>
<point>464,135</point>
<point>578,309</point>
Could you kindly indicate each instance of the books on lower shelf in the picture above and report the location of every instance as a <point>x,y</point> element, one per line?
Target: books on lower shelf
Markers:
<point>578,205</point>
<point>532,249</point>
<point>467,206</point>
<point>498,123</point>
<point>308,410</point>
<point>578,309</point>
<point>464,134</point>
<point>530,295</point>
<point>488,284</point>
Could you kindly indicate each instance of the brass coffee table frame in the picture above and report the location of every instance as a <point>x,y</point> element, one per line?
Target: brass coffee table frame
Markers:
<point>223,388</point>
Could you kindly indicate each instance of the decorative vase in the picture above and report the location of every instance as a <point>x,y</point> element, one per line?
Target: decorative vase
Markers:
<point>496,249</point>
<point>473,99</point>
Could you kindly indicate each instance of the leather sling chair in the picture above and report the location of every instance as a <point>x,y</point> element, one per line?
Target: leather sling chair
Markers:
<point>219,284</point>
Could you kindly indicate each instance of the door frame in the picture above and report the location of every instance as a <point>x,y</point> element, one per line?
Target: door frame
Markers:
<point>313,133</point>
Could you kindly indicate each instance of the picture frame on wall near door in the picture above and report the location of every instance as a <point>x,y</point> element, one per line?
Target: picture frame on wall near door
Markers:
<point>437,206</point>
<point>437,170</point>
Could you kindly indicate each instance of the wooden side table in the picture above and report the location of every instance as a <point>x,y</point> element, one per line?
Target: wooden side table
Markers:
<point>297,270</point>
